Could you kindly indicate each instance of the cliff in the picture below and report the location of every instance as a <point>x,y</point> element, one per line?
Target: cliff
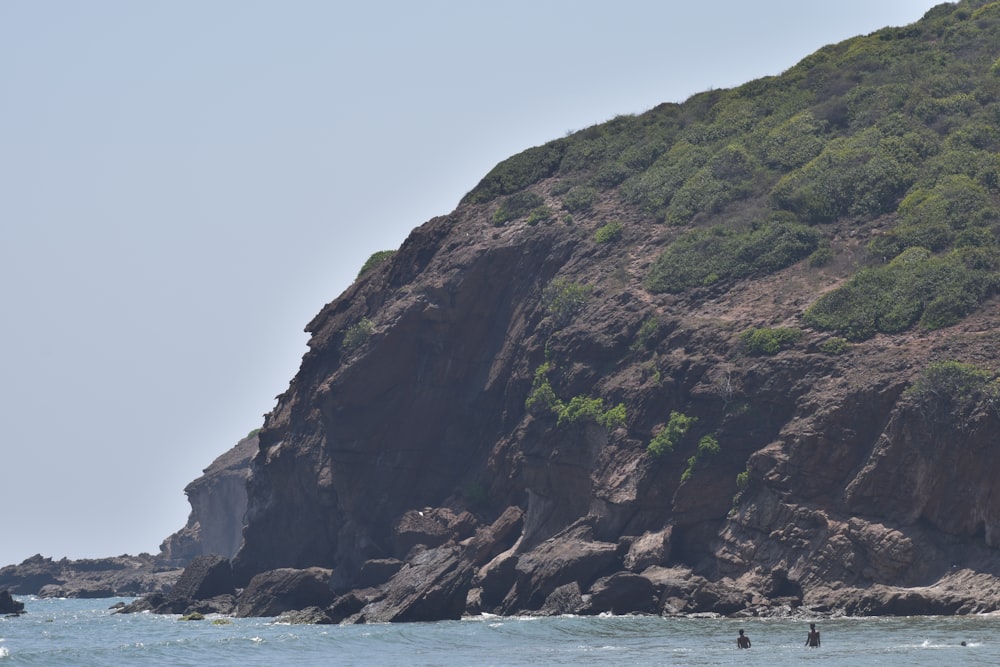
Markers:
<point>733,355</point>
<point>218,501</point>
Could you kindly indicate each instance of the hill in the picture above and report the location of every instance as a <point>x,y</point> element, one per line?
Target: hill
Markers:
<point>733,355</point>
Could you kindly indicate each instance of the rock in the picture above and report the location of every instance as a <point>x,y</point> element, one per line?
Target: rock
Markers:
<point>277,591</point>
<point>8,605</point>
<point>89,578</point>
<point>307,616</point>
<point>218,502</point>
<point>565,599</point>
<point>434,585</point>
<point>206,577</point>
<point>623,593</point>
<point>571,557</point>
<point>651,548</point>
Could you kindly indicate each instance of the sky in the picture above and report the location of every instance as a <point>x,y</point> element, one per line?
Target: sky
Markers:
<point>184,184</point>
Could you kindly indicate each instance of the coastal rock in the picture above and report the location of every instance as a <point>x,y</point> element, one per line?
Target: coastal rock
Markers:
<point>218,502</point>
<point>8,605</point>
<point>286,589</point>
<point>433,585</point>
<point>624,593</point>
<point>124,576</point>
<point>572,557</point>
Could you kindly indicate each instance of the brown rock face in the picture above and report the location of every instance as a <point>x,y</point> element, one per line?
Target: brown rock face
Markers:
<point>453,439</point>
<point>418,436</point>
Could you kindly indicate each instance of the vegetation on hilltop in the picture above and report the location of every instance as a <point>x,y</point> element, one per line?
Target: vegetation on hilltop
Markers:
<point>898,130</point>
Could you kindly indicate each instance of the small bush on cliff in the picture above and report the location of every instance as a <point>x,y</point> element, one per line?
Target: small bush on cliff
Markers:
<point>947,391</point>
<point>542,397</point>
<point>667,439</point>
<point>581,408</point>
<point>540,214</point>
<point>834,345</point>
<point>769,341</point>
<point>579,199</point>
<point>708,447</point>
<point>563,299</point>
<point>374,260</point>
<point>608,232</point>
<point>645,334</point>
<point>516,206</point>
<point>357,334</point>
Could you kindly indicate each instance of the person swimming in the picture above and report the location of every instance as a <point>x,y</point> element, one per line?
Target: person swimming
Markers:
<point>742,641</point>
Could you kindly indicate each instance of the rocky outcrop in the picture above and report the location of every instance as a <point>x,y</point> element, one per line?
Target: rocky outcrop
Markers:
<point>218,502</point>
<point>8,605</point>
<point>89,578</point>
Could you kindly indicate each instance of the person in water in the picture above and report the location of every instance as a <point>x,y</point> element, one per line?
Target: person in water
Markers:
<point>742,641</point>
<point>813,638</point>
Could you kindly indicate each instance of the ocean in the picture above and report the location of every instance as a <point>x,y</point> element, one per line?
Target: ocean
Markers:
<point>86,632</point>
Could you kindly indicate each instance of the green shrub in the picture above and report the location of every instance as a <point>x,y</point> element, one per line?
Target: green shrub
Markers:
<point>608,233</point>
<point>647,330</point>
<point>743,481</point>
<point>563,299</point>
<point>933,218</point>
<point>822,256</point>
<point>708,447</point>
<point>769,341</point>
<point>357,334</point>
<point>540,214</point>
<point>579,408</point>
<point>668,438</point>
<point>613,417</point>
<point>794,142</point>
<point>518,172</point>
<point>703,256</point>
<point>834,345</point>
<point>579,199</point>
<point>916,287</point>
<point>864,174</point>
<point>947,392</point>
<point>516,206</point>
<point>374,260</point>
<point>949,380</point>
<point>542,397</point>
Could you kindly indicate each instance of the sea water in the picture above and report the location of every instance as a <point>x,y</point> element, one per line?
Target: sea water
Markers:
<point>86,632</point>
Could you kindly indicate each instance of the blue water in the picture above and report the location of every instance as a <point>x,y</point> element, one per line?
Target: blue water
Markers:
<point>85,632</point>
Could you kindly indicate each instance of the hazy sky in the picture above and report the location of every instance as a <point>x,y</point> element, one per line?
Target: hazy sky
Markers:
<point>184,184</point>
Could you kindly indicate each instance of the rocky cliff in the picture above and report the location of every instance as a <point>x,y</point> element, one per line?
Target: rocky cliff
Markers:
<point>218,502</point>
<point>735,355</point>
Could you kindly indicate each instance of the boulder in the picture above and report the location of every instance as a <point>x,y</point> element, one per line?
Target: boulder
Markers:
<point>432,586</point>
<point>568,557</point>
<point>565,599</point>
<point>274,592</point>
<point>206,577</point>
<point>8,605</point>
<point>623,593</point>
<point>649,549</point>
